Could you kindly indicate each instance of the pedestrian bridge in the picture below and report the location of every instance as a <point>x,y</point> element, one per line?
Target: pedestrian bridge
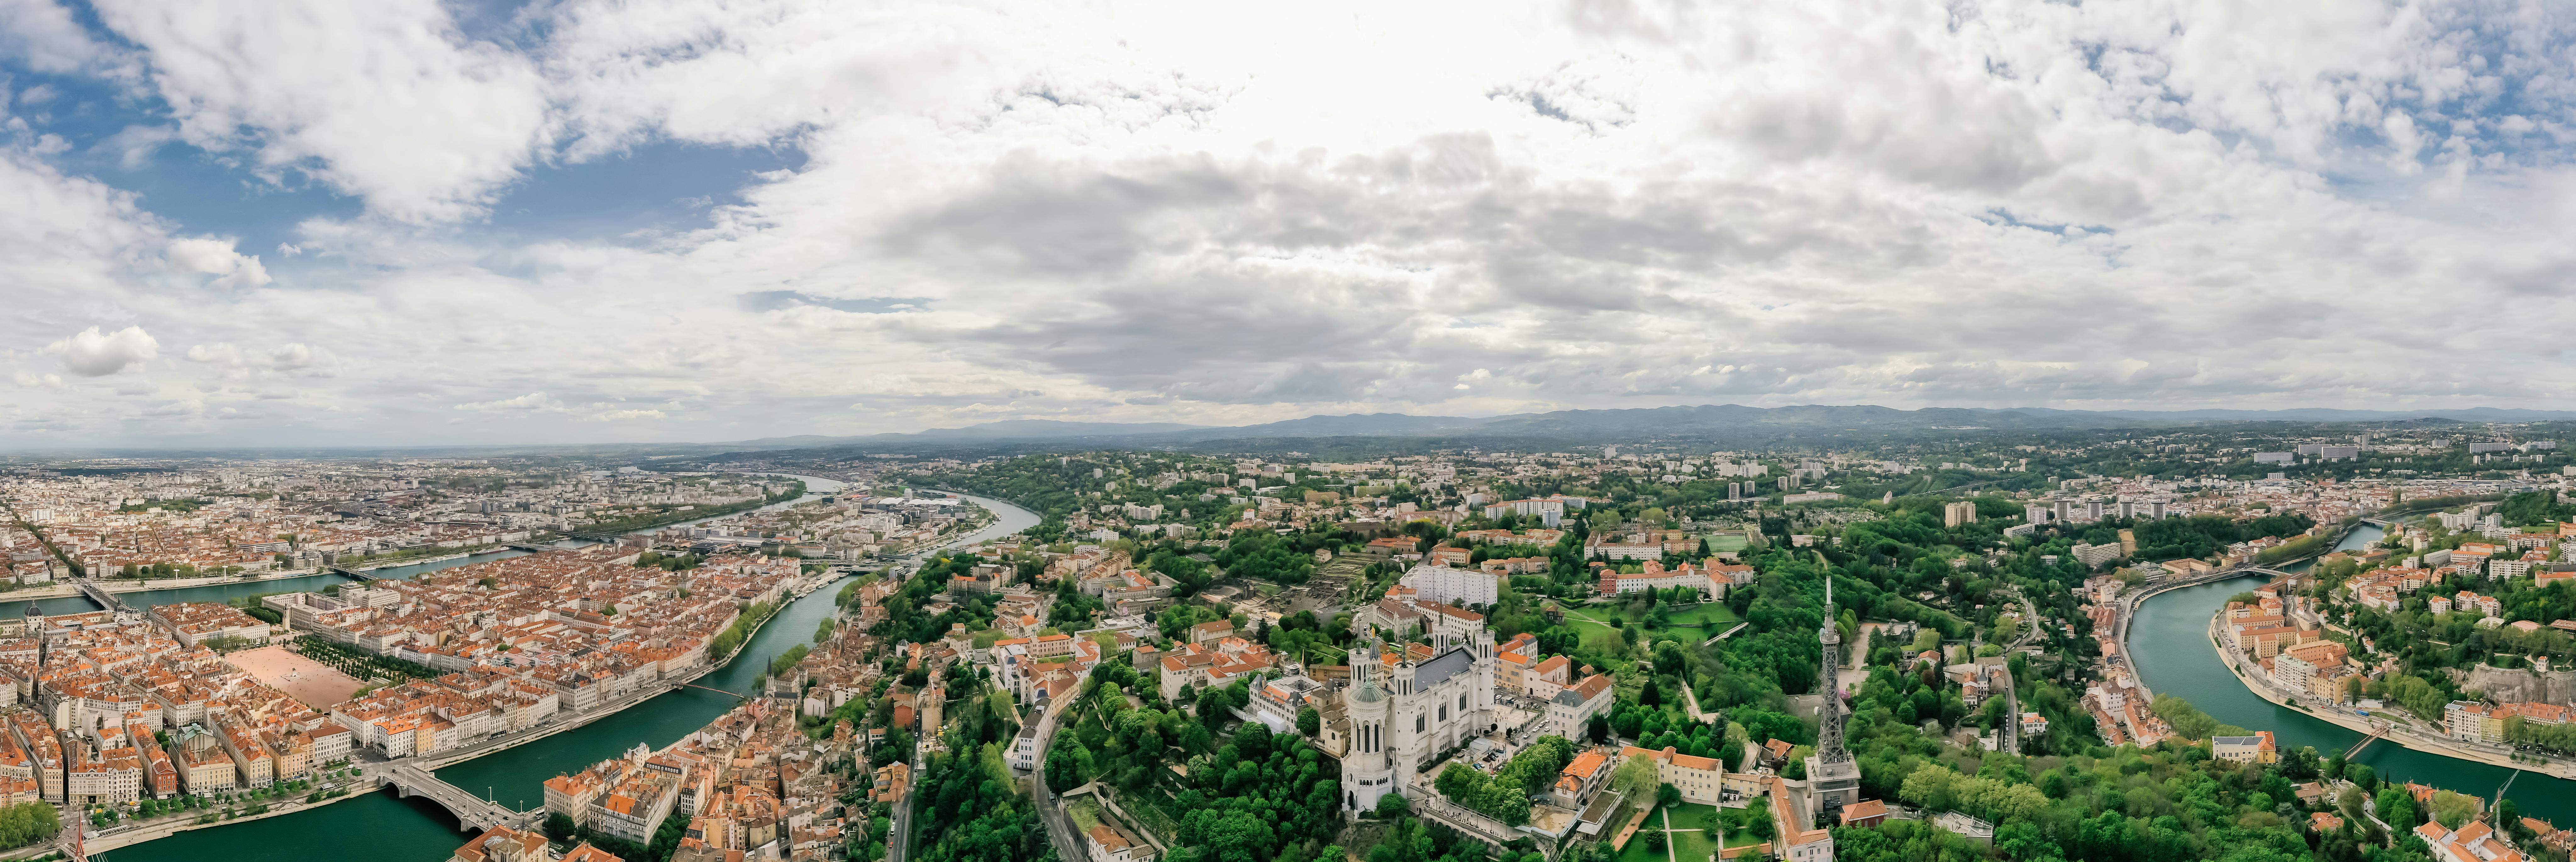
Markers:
<point>473,813</point>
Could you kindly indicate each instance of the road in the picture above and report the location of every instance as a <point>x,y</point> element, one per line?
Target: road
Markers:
<point>1068,847</point>
<point>2401,732</point>
<point>899,835</point>
<point>2030,621</point>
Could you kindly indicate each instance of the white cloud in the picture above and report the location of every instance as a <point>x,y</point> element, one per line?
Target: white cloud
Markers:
<point>91,353</point>
<point>134,145</point>
<point>43,35</point>
<point>293,358</point>
<point>385,101</point>
<point>1214,214</point>
<point>531,402</point>
<point>297,357</point>
<point>216,257</point>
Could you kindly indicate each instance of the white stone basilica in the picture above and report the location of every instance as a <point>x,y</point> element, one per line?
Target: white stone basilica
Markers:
<point>1418,711</point>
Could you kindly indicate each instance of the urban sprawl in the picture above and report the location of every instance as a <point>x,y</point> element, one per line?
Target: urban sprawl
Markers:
<point>1638,651</point>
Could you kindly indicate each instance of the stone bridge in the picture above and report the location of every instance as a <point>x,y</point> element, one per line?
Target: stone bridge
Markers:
<point>1485,829</point>
<point>98,594</point>
<point>473,813</point>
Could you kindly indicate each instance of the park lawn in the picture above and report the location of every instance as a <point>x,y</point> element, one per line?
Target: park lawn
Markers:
<point>1710,615</point>
<point>1693,846</point>
<point>1636,850</point>
<point>1598,636</point>
<point>1687,846</point>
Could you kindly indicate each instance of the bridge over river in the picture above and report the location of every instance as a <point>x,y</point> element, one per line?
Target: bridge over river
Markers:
<point>473,813</point>
<point>98,594</point>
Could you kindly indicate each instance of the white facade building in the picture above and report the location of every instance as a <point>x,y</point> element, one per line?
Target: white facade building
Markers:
<point>1418,710</point>
<point>1459,587</point>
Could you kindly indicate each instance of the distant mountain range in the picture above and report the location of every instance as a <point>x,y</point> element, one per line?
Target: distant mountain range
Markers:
<point>1627,422</point>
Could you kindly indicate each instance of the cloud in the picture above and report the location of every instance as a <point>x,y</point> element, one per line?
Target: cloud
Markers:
<point>534,402</point>
<point>1177,213</point>
<point>298,357</point>
<point>293,358</point>
<point>91,353</point>
<point>216,257</point>
<point>134,145</point>
<point>389,103</point>
<point>44,35</point>
<point>184,408</point>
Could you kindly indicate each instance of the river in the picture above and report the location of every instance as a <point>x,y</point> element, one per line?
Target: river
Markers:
<point>380,827</point>
<point>226,592</point>
<point>2169,639</point>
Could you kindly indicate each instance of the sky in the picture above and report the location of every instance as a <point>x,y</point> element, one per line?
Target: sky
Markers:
<point>312,222</point>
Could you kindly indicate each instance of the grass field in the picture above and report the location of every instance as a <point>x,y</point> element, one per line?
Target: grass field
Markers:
<point>1687,846</point>
<point>1712,614</point>
<point>1723,544</point>
<point>1596,635</point>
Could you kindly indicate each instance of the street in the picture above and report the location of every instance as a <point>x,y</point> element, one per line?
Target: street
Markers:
<point>1068,847</point>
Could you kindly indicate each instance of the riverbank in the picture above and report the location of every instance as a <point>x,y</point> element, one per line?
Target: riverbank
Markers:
<point>372,565</point>
<point>102,842</point>
<point>798,586</point>
<point>384,827</point>
<point>113,839</point>
<point>164,830</point>
<point>2401,734</point>
<point>65,590</point>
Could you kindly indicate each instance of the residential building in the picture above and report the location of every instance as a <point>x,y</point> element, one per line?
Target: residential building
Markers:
<point>1110,844</point>
<point>1957,513</point>
<point>1700,779</point>
<point>1459,587</point>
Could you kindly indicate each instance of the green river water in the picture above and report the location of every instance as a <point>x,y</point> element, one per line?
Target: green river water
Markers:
<point>380,827</point>
<point>2169,640</point>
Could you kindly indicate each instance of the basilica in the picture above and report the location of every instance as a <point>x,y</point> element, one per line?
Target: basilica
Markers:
<point>1402,715</point>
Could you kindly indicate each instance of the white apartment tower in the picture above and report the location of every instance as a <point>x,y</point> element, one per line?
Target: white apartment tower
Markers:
<point>1961,512</point>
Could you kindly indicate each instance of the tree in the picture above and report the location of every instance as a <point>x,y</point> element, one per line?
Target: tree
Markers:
<point>28,823</point>
<point>2452,809</point>
<point>1668,795</point>
<point>1309,721</point>
<point>2397,808</point>
<point>1670,659</point>
<point>559,828</point>
<point>1635,777</point>
<point>1392,806</point>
